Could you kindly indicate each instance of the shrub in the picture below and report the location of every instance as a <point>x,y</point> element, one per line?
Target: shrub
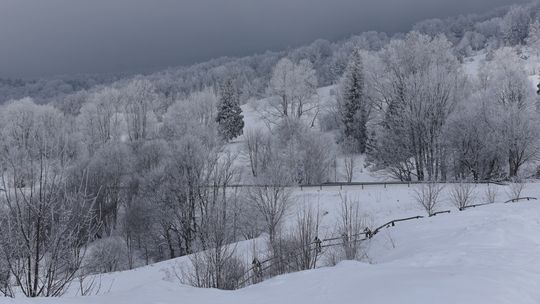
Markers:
<point>428,197</point>
<point>462,195</point>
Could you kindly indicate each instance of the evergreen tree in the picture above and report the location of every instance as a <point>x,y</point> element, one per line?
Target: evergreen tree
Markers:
<point>352,106</point>
<point>229,115</point>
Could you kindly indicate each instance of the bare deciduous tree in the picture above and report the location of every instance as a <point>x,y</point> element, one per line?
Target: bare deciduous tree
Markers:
<point>258,148</point>
<point>490,194</point>
<point>138,98</point>
<point>47,220</point>
<point>351,226</point>
<point>300,250</point>
<point>272,202</point>
<point>427,196</point>
<point>348,162</point>
<point>207,272</point>
<point>516,188</point>
<point>294,87</point>
<point>462,195</point>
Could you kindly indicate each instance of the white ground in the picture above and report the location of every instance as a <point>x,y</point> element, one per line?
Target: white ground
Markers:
<point>488,254</point>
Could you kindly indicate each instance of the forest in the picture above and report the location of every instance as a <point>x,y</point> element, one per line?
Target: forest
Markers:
<point>104,173</point>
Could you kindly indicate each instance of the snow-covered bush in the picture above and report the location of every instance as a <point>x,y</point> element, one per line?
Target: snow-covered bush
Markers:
<point>462,195</point>
<point>516,188</point>
<point>349,165</point>
<point>258,147</point>
<point>107,255</point>
<point>427,196</point>
<point>351,225</point>
<point>308,154</point>
<point>206,271</point>
<point>490,194</point>
<point>299,250</point>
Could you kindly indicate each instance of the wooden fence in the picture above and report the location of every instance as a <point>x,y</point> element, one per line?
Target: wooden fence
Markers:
<point>255,273</point>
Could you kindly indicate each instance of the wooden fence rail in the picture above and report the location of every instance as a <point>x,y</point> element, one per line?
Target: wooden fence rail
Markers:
<point>259,267</point>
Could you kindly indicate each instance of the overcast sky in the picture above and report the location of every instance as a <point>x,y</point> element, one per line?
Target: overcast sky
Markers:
<point>50,37</point>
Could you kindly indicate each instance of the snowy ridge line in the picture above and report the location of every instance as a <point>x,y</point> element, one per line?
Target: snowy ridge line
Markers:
<point>346,184</point>
<point>257,268</point>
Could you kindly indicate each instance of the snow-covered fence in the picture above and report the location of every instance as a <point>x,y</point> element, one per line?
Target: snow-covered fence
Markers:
<point>514,200</point>
<point>256,273</point>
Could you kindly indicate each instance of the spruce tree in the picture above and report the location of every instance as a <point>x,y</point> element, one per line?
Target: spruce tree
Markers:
<point>352,106</point>
<point>229,114</point>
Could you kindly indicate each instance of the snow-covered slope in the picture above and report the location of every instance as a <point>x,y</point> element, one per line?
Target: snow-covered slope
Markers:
<point>483,255</point>
<point>254,120</point>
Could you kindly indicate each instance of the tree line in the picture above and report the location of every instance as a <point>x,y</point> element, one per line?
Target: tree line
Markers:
<point>131,173</point>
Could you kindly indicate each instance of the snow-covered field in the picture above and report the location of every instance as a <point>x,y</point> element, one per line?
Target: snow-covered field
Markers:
<point>488,254</point>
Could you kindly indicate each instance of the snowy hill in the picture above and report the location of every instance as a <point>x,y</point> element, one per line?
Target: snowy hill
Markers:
<point>472,67</point>
<point>335,172</point>
<point>254,120</point>
<point>482,255</point>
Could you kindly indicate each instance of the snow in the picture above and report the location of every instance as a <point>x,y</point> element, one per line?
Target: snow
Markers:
<point>253,120</point>
<point>482,255</point>
<point>251,111</point>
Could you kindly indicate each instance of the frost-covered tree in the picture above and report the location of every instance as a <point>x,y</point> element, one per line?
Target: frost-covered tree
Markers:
<point>272,202</point>
<point>431,27</point>
<point>138,98</point>
<point>512,110</point>
<point>515,25</point>
<point>46,219</point>
<point>229,114</point>
<point>108,175</point>
<point>259,150</point>
<point>491,28</point>
<point>293,87</point>
<point>353,106</point>
<point>99,121</point>
<point>473,141</point>
<point>417,94</point>
<point>195,115</point>
<point>307,154</point>
<point>533,38</point>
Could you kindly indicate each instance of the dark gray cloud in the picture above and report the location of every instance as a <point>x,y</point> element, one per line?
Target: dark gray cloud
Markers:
<point>47,37</point>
